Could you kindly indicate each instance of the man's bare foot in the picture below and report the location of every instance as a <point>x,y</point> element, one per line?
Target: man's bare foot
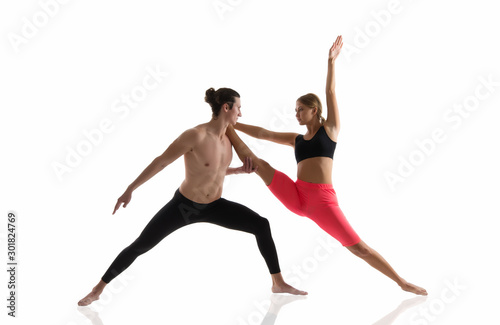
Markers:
<point>286,288</point>
<point>406,286</point>
<point>92,296</point>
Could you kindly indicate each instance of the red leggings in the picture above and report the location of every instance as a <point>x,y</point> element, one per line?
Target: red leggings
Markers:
<point>318,202</point>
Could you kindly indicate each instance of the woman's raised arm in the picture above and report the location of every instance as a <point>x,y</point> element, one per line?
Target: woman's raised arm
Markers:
<point>332,120</point>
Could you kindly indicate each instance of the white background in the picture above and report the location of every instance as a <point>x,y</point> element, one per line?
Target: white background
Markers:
<point>398,76</point>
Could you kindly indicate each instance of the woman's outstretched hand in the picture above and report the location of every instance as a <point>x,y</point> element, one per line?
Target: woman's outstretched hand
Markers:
<point>335,49</point>
<point>125,199</point>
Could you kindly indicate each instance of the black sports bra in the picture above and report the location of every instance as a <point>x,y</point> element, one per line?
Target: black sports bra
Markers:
<point>319,146</point>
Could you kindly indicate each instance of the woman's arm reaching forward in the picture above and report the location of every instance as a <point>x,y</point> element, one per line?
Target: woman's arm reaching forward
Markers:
<point>286,138</point>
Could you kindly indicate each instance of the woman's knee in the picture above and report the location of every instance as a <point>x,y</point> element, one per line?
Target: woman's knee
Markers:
<point>360,249</point>
<point>265,171</point>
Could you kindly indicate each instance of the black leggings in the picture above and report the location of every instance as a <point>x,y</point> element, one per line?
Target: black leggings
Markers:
<point>181,211</point>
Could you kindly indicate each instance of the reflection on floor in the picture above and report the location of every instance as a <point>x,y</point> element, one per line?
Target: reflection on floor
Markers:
<point>280,300</point>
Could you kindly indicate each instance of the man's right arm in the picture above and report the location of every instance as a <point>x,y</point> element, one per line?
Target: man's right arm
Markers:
<point>183,144</point>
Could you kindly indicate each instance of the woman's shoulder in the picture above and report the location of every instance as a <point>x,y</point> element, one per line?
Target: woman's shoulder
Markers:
<point>331,132</point>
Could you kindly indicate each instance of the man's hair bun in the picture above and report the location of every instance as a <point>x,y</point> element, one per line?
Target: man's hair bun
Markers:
<point>217,98</point>
<point>210,96</point>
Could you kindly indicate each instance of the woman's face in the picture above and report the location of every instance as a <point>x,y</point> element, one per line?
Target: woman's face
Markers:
<point>303,113</point>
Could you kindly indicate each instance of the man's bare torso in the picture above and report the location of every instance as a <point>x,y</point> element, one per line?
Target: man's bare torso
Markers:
<point>206,164</point>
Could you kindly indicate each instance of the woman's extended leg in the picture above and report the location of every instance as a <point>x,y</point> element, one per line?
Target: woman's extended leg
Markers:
<point>373,258</point>
<point>265,171</point>
<point>278,183</point>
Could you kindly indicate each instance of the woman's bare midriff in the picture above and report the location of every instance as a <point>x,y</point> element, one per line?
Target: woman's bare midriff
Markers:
<point>315,170</point>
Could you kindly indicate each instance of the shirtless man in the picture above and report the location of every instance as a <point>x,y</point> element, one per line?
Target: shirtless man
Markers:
<point>207,154</point>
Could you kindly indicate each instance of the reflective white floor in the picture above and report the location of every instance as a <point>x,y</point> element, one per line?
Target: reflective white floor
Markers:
<point>277,302</point>
<point>201,287</point>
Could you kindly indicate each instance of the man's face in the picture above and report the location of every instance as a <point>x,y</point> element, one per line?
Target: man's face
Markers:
<point>235,112</point>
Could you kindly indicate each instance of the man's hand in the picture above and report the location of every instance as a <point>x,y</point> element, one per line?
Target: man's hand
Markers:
<point>246,168</point>
<point>125,199</point>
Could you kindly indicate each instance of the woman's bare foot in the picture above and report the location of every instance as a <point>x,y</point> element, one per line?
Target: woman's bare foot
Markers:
<point>286,288</point>
<point>406,286</point>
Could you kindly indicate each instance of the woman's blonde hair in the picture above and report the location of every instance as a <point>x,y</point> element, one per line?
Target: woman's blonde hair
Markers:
<point>312,101</point>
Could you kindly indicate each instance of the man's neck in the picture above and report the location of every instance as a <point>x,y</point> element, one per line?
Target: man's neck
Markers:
<point>217,127</point>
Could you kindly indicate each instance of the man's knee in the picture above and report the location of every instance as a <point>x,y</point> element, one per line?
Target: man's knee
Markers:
<point>262,225</point>
<point>140,247</point>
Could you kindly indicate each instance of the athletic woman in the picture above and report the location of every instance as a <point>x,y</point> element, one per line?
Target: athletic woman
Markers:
<point>312,195</point>
<point>207,154</point>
